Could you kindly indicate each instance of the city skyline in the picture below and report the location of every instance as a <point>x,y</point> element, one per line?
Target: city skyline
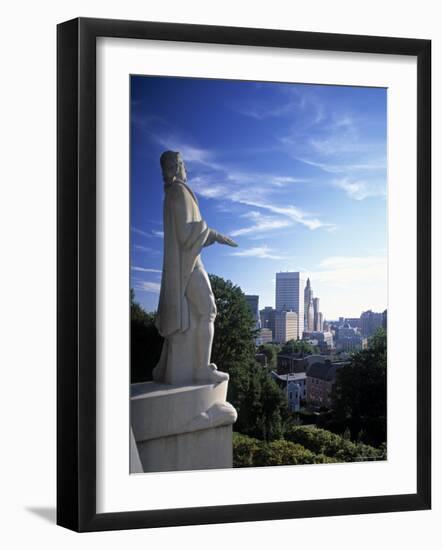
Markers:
<point>295,173</point>
<point>305,285</point>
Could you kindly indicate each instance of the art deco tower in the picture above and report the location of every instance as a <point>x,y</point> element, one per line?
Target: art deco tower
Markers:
<point>308,308</point>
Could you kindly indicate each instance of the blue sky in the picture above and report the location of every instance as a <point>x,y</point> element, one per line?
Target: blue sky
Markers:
<point>295,173</point>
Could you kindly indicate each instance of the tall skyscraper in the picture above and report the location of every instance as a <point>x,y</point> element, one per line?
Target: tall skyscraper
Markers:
<point>321,323</point>
<point>316,321</point>
<point>308,308</point>
<point>289,295</point>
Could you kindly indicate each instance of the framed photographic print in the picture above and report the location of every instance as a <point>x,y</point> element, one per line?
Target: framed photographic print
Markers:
<point>243,274</point>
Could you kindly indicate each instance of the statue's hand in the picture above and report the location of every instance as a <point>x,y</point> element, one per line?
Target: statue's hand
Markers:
<point>222,239</point>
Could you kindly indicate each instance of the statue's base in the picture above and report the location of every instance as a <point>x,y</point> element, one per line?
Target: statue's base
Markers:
<point>201,450</point>
<point>181,427</point>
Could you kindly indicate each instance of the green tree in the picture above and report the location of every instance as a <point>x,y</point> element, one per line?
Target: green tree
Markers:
<point>248,451</point>
<point>262,412</point>
<point>360,393</point>
<point>235,331</point>
<point>338,447</point>
<point>261,405</point>
<point>244,450</point>
<point>271,352</point>
<point>145,342</point>
<point>299,346</point>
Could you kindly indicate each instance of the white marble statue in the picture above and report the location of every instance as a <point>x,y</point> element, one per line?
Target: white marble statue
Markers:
<point>187,310</point>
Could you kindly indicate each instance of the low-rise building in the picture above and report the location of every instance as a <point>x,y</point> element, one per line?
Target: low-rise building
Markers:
<point>324,339</point>
<point>290,362</point>
<point>265,336</point>
<point>348,338</point>
<point>354,322</point>
<point>351,343</point>
<point>297,362</point>
<point>294,384</point>
<point>320,380</point>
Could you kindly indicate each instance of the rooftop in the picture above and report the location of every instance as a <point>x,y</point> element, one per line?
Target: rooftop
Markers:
<point>323,371</point>
<point>293,376</point>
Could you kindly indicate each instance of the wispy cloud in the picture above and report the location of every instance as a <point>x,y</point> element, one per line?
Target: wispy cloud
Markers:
<point>262,111</point>
<point>281,181</point>
<point>259,252</point>
<point>148,286</point>
<point>256,196</point>
<point>333,168</point>
<point>222,181</point>
<point>257,179</point>
<point>140,232</point>
<point>340,145</point>
<point>261,224</point>
<point>142,248</point>
<point>292,212</point>
<point>343,271</point>
<point>145,269</point>
<point>148,234</point>
<point>359,189</point>
<point>293,102</point>
<point>190,152</point>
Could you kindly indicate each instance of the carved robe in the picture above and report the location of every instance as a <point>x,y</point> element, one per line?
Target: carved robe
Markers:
<point>185,233</point>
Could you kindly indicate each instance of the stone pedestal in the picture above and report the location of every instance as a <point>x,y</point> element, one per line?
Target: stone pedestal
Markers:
<point>186,427</point>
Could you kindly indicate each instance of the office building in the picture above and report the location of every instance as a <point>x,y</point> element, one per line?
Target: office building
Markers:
<point>286,326</point>
<point>370,321</point>
<point>267,316</point>
<point>253,303</point>
<point>289,296</point>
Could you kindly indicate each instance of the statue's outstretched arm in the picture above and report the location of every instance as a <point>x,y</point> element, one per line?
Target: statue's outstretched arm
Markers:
<point>215,237</point>
<point>188,231</point>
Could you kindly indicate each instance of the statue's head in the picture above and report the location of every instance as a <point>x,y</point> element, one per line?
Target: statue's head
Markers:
<point>172,165</point>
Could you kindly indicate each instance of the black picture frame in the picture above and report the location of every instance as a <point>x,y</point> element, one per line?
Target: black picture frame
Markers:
<point>76,274</point>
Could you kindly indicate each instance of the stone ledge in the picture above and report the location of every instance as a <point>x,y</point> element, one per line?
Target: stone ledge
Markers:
<point>161,410</point>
